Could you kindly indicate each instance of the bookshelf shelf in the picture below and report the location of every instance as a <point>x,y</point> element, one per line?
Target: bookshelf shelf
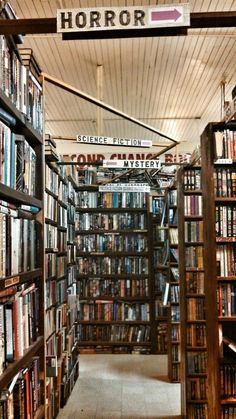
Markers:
<point>17,197</point>
<point>16,366</point>
<point>22,124</point>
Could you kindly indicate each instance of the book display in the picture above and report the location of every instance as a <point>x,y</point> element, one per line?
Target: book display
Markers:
<point>112,236</point>
<point>218,143</point>
<point>21,240</point>
<point>194,357</point>
<point>174,289</point>
<point>62,365</point>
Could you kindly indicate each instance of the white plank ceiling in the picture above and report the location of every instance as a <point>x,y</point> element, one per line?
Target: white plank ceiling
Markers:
<point>171,83</point>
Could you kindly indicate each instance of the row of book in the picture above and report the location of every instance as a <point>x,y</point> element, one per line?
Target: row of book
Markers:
<point>50,207</point>
<point>160,233</point>
<point>195,309</point>
<point>226,259</point>
<point>17,161</point>
<point>114,333</point>
<point>175,314</point>
<point>194,282</point>
<point>193,231</point>
<point>175,332</point>
<point>160,279</point>
<point>175,372</point>
<point>225,221</point>
<point>122,221</point>
<point>21,85</point>
<point>192,179</point>
<point>19,322</point>
<point>51,180</point>
<point>173,234</point>
<point>111,242</point>
<point>197,411</point>
<point>112,265</point>
<point>193,205</point>
<point>114,311</point>
<point>63,192</point>
<point>71,214</point>
<point>20,253</point>
<point>60,381</point>
<point>61,266</point>
<point>50,265</point>
<point>174,294</point>
<point>196,388</point>
<point>71,253</point>
<point>172,195</point>
<point>225,182</point>
<point>22,398</point>
<point>196,335</point>
<point>194,257</point>
<point>158,208</point>
<point>160,307</point>
<point>175,353</point>
<point>88,199</point>
<point>228,380</point>
<point>96,287</point>
<point>54,211</point>
<point>160,255</point>
<point>228,412</point>
<point>173,216</point>
<point>226,298</point>
<point>162,340</point>
<point>225,144</point>
<point>196,362</point>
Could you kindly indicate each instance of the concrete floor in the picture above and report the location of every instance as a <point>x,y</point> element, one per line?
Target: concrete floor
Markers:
<point>123,386</point>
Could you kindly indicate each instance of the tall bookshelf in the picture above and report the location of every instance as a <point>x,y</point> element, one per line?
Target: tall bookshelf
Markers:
<point>194,369</point>
<point>160,272</point>
<point>174,288</point>
<point>218,143</point>
<point>22,365</point>
<point>61,287</point>
<point>112,230</point>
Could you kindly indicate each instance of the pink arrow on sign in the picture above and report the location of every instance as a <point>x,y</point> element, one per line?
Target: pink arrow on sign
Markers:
<point>166,15</point>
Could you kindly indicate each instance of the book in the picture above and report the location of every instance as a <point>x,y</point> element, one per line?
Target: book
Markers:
<point>9,346</point>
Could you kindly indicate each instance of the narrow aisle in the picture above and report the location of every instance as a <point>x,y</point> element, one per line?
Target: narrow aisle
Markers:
<point>123,386</point>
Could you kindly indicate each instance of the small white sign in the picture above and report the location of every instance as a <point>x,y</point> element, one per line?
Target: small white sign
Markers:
<point>127,142</point>
<point>124,187</point>
<point>120,18</point>
<point>132,164</point>
<point>224,161</point>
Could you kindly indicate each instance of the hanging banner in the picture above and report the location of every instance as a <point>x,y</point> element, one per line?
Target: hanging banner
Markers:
<point>132,164</point>
<point>99,140</point>
<point>118,18</point>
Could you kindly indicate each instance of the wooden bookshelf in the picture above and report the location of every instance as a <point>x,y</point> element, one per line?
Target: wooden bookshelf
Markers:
<point>159,264</point>
<point>219,192</point>
<point>194,371</point>
<point>114,277</point>
<point>61,288</point>
<point>22,237</point>
<point>174,289</point>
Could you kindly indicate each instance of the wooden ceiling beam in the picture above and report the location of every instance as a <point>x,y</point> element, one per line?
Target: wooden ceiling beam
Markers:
<point>49,25</point>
